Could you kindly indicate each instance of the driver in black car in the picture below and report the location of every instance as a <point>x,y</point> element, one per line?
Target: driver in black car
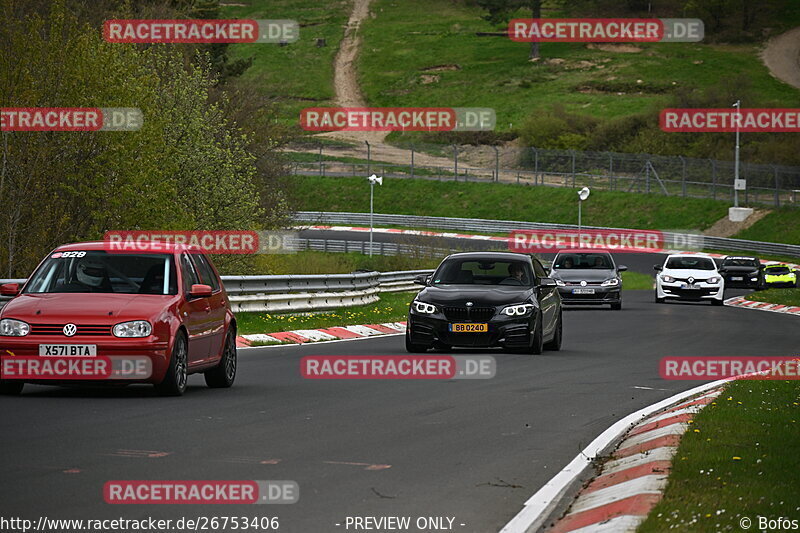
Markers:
<point>516,275</point>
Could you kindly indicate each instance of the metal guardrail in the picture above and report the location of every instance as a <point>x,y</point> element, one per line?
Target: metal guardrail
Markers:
<point>316,292</point>
<point>466,225</point>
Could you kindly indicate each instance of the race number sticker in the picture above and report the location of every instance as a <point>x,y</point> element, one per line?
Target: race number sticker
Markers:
<point>68,254</point>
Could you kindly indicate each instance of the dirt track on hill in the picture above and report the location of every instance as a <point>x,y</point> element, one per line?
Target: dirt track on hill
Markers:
<point>782,57</point>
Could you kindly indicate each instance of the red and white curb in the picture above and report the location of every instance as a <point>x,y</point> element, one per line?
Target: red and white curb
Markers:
<point>738,301</point>
<point>301,336</point>
<point>631,483</point>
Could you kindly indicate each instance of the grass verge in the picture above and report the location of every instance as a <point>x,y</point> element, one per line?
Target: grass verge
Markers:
<point>740,459</point>
<point>781,225</point>
<point>507,202</point>
<point>636,281</point>
<point>311,262</point>
<point>411,58</point>
<point>392,307</point>
<point>776,296</point>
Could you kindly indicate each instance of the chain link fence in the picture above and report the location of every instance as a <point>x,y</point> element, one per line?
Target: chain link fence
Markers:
<point>773,185</point>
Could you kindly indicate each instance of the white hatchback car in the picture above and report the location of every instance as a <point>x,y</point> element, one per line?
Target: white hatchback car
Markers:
<point>689,277</point>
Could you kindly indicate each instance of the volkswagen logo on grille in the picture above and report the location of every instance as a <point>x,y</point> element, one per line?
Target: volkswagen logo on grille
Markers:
<point>70,330</point>
<point>583,283</point>
<point>691,280</point>
<point>469,304</point>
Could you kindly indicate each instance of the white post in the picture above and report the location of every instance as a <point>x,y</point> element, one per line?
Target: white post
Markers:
<point>371,194</point>
<point>738,106</point>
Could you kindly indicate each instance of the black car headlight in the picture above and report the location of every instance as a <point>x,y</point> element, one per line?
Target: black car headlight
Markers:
<point>713,280</point>
<point>423,308</point>
<point>14,328</point>
<point>517,310</point>
<point>560,282</point>
<point>667,279</point>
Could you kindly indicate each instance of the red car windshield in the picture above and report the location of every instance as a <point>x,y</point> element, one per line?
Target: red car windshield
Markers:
<point>97,271</point>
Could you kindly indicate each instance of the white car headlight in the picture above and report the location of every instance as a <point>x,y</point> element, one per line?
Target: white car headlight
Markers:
<point>613,282</point>
<point>423,308</point>
<point>14,328</point>
<point>559,282</point>
<point>517,310</point>
<point>667,278</point>
<point>713,280</point>
<point>135,328</point>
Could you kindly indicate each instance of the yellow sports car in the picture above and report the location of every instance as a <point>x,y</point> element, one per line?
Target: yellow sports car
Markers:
<point>780,276</point>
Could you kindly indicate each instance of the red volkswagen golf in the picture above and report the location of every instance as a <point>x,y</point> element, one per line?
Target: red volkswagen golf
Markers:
<point>166,306</point>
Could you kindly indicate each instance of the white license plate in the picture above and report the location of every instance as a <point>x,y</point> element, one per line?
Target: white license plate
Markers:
<point>736,278</point>
<point>686,286</point>
<point>582,291</point>
<point>68,350</point>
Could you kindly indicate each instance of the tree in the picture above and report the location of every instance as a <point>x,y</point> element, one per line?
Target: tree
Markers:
<point>190,167</point>
<point>502,10</point>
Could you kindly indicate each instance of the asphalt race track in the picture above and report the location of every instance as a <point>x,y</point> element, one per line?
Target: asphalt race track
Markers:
<point>470,449</point>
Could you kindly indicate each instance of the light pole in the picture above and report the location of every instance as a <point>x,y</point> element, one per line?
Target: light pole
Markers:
<point>738,106</point>
<point>583,194</point>
<point>372,181</point>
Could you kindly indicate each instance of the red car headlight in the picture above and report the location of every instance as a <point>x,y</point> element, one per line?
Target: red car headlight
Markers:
<point>135,328</point>
<point>14,328</point>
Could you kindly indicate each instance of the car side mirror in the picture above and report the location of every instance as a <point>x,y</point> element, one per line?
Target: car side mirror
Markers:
<point>200,291</point>
<point>622,268</point>
<point>9,289</point>
<point>547,282</point>
<point>658,268</point>
<point>422,279</point>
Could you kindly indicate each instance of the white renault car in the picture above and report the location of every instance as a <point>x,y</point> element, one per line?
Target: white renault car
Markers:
<point>689,277</point>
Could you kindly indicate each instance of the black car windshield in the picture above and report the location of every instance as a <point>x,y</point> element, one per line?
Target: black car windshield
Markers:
<point>778,271</point>
<point>740,262</point>
<point>483,272</point>
<point>583,261</point>
<point>690,263</point>
<point>94,271</point>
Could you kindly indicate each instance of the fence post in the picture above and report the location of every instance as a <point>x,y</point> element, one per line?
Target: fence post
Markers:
<point>496,164</point>
<point>683,176</point>
<point>777,187</point>
<point>412,160</point>
<point>536,166</point>
<point>713,179</point>
<point>455,160</point>
<point>611,171</point>
<point>369,159</point>
<point>573,168</point>
<point>321,171</point>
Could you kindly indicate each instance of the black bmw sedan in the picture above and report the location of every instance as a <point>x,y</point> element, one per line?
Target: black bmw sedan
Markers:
<point>486,299</point>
